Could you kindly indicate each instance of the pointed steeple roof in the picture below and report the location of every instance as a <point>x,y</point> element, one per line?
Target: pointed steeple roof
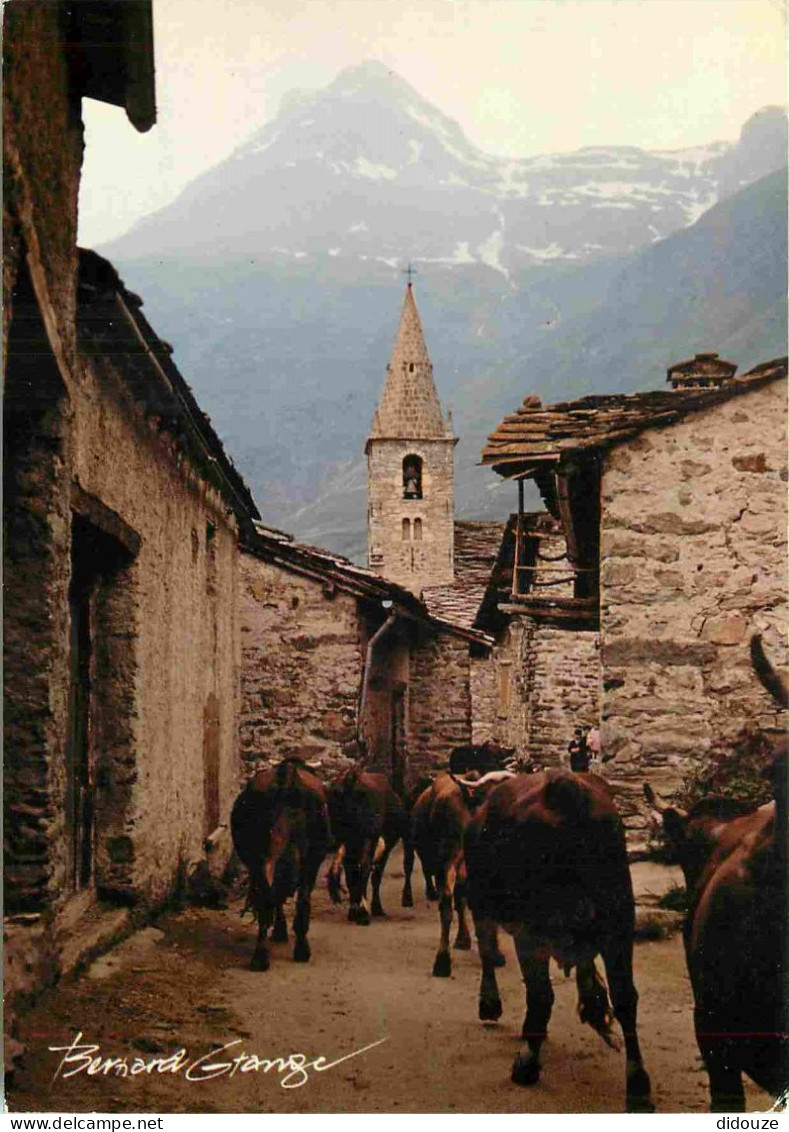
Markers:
<point>409,407</point>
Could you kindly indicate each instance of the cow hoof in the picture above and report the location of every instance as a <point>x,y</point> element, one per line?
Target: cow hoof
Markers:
<point>408,900</point>
<point>359,916</point>
<point>489,1009</point>
<point>463,943</point>
<point>301,952</point>
<point>498,960</point>
<point>280,933</point>
<point>525,1070</point>
<point>430,892</point>
<point>638,1090</point>
<point>260,961</point>
<point>442,968</point>
<point>378,913</point>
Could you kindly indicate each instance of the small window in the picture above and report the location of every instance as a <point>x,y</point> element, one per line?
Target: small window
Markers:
<point>407,529</point>
<point>412,477</point>
<point>410,367</point>
<point>417,530</point>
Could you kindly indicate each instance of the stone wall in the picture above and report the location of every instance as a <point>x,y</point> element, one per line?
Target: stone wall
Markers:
<point>560,686</point>
<point>411,556</point>
<point>440,701</point>
<point>693,562</point>
<point>302,662</point>
<point>42,152</point>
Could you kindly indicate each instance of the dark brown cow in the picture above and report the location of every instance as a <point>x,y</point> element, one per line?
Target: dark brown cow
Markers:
<point>440,818</point>
<point>367,820</point>
<point>734,860</point>
<point>280,831</point>
<point>547,861</point>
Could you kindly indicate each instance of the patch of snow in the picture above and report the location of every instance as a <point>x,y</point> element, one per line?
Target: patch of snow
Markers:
<point>460,255</point>
<point>550,251</point>
<point>489,250</point>
<point>414,151</point>
<point>334,251</point>
<point>307,122</point>
<point>373,172</point>
<point>359,227</point>
<point>615,204</point>
<point>287,251</point>
<point>655,234</point>
<point>262,147</point>
<point>699,206</point>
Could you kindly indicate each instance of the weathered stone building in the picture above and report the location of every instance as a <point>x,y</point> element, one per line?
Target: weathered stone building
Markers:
<point>674,509</point>
<point>121,518</point>
<point>338,663</point>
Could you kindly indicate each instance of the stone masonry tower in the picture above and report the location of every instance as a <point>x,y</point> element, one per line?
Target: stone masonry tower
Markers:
<point>410,469</point>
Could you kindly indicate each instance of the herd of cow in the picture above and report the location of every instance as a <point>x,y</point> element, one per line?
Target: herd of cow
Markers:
<point>543,856</point>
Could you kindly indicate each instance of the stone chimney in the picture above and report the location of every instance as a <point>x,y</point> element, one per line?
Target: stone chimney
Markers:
<point>705,371</point>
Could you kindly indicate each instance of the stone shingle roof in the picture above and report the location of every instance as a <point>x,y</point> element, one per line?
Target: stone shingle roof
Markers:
<point>477,548</point>
<point>409,408</point>
<point>335,571</point>
<point>113,331</point>
<point>535,436</point>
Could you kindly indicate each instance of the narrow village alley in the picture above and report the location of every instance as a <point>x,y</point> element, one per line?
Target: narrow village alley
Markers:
<point>186,983</point>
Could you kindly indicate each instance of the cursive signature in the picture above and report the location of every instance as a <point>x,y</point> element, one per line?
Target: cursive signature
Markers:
<point>293,1069</point>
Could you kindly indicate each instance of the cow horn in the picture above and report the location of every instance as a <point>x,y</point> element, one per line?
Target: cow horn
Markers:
<point>486,780</point>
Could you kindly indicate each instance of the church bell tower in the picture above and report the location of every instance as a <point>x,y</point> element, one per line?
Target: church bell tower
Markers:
<point>410,468</point>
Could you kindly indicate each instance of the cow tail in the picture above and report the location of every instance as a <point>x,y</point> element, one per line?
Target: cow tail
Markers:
<point>286,775</point>
<point>594,1005</point>
<point>768,677</point>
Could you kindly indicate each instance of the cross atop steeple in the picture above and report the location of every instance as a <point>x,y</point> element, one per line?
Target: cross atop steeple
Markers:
<point>410,271</point>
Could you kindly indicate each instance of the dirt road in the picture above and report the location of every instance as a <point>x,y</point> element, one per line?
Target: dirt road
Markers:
<point>186,983</point>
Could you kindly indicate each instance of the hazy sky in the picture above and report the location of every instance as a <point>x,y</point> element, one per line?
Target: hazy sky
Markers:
<point>520,76</point>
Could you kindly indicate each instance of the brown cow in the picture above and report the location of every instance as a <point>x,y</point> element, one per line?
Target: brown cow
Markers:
<point>367,820</point>
<point>440,818</point>
<point>280,831</point>
<point>547,861</point>
<point>734,860</point>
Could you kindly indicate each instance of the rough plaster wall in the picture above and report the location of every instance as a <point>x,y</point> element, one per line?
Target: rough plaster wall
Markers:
<point>440,702</point>
<point>302,663</point>
<point>693,563</point>
<point>497,702</point>
<point>42,138</point>
<point>182,645</point>
<point>411,564</point>
<point>561,685</point>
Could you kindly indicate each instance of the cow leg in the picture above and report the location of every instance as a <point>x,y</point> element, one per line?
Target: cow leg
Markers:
<point>301,926</point>
<point>442,967</point>
<point>261,959</point>
<point>357,872</point>
<point>726,1091</point>
<point>489,998</point>
<point>382,852</point>
<point>539,1004</point>
<point>618,958</point>
<point>407,899</point>
<point>280,932</point>
<point>334,876</point>
<point>462,939</point>
<point>497,957</point>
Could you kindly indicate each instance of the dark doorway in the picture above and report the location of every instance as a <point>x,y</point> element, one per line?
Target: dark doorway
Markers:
<point>96,559</point>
